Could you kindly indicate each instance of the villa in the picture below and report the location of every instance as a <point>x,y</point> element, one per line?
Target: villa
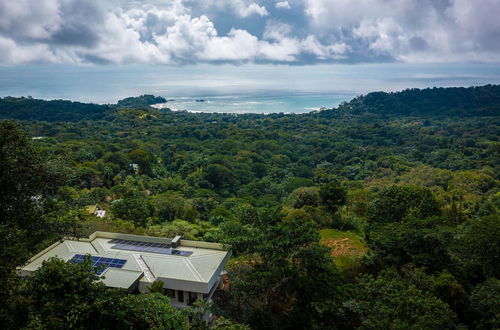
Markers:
<point>189,270</point>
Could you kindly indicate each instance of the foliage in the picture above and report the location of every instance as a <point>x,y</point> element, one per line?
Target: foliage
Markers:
<point>409,178</point>
<point>151,311</point>
<point>279,289</point>
<point>395,203</point>
<point>419,241</point>
<point>28,218</point>
<point>332,196</point>
<point>179,227</point>
<point>157,287</point>
<point>486,305</point>
<point>56,110</point>
<point>478,247</point>
<point>224,324</point>
<point>132,207</point>
<point>61,295</point>
<point>140,101</point>
<point>387,302</point>
<point>431,101</point>
<point>304,196</point>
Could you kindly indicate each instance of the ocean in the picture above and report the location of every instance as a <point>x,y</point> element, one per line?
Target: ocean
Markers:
<point>286,103</point>
<point>245,88</point>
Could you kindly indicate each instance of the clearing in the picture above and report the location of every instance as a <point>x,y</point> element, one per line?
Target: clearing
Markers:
<point>347,247</point>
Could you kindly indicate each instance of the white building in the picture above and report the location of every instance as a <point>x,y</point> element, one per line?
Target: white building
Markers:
<point>189,270</point>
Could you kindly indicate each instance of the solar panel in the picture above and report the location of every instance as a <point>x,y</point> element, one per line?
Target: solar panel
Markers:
<point>101,263</point>
<point>161,248</point>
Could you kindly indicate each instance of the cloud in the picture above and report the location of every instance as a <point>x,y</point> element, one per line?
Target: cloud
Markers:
<point>412,31</point>
<point>191,31</point>
<point>324,52</point>
<point>282,5</point>
<point>238,45</point>
<point>10,52</point>
<point>253,8</point>
<point>242,8</point>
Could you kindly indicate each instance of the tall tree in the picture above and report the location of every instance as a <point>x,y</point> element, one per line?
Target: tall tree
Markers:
<point>395,203</point>
<point>332,196</point>
<point>388,302</point>
<point>61,295</point>
<point>28,180</point>
<point>275,285</point>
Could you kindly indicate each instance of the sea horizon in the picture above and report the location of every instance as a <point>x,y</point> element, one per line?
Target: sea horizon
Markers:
<point>263,104</point>
<point>271,88</point>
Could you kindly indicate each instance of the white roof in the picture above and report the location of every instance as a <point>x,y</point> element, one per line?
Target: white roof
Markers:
<point>196,272</point>
<point>120,278</point>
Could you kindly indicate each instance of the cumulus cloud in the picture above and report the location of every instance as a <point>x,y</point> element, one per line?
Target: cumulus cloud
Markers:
<point>336,50</point>
<point>242,8</point>
<point>190,31</point>
<point>282,5</point>
<point>238,45</point>
<point>412,31</point>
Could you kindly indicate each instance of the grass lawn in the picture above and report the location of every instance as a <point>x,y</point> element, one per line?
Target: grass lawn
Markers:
<point>347,247</point>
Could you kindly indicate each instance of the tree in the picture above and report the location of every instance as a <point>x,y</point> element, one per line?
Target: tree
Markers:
<point>62,295</point>
<point>187,230</point>
<point>150,311</point>
<point>304,196</point>
<point>219,176</point>
<point>235,172</point>
<point>419,241</point>
<point>275,285</point>
<point>172,205</point>
<point>141,158</point>
<point>478,247</point>
<point>240,237</point>
<point>28,180</point>
<point>358,201</point>
<point>486,305</point>
<point>224,324</point>
<point>332,196</point>
<point>395,203</point>
<point>157,287</point>
<point>133,206</point>
<point>442,285</point>
<point>387,302</point>
<point>294,183</point>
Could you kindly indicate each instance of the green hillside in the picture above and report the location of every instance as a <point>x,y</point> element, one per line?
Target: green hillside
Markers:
<point>381,214</point>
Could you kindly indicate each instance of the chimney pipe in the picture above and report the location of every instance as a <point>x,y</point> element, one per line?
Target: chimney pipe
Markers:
<point>176,241</point>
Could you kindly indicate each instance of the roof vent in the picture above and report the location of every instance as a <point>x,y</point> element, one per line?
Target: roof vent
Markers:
<point>176,241</point>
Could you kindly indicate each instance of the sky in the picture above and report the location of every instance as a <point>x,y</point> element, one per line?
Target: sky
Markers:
<point>436,41</point>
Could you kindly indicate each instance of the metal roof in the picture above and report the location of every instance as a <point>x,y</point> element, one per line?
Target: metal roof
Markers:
<point>196,272</point>
<point>121,278</point>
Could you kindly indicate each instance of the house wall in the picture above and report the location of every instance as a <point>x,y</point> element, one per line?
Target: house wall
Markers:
<point>174,299</point>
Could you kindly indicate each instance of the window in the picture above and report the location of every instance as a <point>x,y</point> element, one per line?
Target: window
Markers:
<point>192,297</point>
<point>170,293</point>
<point>180,296</point>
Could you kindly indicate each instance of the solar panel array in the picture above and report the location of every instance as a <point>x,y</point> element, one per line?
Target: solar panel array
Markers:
<point>121,244</point>
<point>101,263</point>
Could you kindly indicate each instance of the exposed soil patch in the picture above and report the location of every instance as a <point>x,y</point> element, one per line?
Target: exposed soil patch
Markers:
<point>342,247</point>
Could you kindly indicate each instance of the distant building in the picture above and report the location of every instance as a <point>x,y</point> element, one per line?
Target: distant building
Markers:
<point>189,270</point>
<point>100,213</point>
<point>96,210</point>
<point>134,168</point>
